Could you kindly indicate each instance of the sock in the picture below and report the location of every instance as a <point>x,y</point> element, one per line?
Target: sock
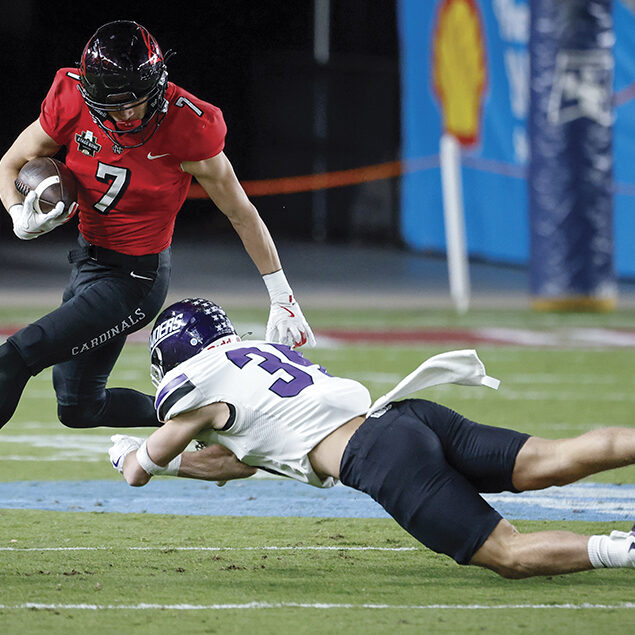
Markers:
<point>609,551</point>
<point>14,374</point>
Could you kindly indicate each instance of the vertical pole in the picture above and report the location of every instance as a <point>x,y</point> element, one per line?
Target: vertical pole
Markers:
<point>458,271</point>
<point>321,57</point>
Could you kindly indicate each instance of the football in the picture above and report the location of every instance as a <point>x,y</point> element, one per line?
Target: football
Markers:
<point>51,180</point>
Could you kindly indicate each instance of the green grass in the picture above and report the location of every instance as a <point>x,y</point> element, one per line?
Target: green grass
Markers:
<point>548,392</point>
<point>160,573</point>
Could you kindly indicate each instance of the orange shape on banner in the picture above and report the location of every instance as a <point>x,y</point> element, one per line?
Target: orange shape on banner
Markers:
<point>459,67</point>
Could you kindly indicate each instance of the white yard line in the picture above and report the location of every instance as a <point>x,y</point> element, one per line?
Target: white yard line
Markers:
<point>310,605</point>
<point>265,548</point>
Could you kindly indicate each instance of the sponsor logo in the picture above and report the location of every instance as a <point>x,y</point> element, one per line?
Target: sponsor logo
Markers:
<point>87,143</point>
<point>136,275</point>
<point>119,329</point>
<point>582,86</point>
<point>152,157</point>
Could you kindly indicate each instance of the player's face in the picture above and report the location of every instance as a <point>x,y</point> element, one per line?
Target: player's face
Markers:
<point>130,112</point>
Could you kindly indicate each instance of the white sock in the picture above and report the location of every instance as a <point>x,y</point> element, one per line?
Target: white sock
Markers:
<point>609,551</point>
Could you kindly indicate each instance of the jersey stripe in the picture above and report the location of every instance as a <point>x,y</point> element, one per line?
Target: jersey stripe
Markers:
<point>171,393</point>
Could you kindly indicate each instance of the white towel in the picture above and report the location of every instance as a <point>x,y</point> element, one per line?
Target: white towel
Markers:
<point>455,367</point>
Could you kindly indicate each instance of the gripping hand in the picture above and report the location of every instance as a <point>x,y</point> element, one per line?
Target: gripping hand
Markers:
<point>28,223</point>
<point>286,324</point>
<point>122,446</point>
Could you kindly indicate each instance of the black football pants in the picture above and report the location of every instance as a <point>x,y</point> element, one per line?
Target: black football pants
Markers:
<point>108,297</point>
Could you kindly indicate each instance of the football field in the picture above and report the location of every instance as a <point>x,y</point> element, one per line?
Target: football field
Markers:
<point>70,566</point>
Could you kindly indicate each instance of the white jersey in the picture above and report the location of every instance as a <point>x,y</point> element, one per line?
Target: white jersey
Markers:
<point>283,405</point>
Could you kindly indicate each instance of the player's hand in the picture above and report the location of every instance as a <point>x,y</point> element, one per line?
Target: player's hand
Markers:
<point>28,223</point>
<point>122,446</point>
<point>287,325</point>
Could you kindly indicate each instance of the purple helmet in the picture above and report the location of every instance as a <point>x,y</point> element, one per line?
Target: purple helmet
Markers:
<point>183,330</point>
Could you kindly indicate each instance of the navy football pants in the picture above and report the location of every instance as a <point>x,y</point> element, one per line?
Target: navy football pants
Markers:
<point>426,464</point>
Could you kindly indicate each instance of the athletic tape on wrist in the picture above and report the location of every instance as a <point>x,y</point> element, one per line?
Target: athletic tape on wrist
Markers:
<point>277,285</point>
<point>149,466</point>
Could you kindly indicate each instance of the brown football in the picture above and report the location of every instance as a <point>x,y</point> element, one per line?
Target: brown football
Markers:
<point>51,180</point>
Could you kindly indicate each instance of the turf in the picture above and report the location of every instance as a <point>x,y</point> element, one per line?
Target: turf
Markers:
<point>141,562</point>
<point>548,392</point>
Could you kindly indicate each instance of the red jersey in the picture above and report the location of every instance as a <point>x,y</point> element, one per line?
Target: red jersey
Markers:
<point>128,200</point>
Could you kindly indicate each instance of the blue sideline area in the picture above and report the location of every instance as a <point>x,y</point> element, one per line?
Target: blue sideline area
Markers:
<point>269,497</point>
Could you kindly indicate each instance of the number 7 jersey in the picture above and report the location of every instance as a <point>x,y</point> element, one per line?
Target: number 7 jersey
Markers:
<point>128,199</point>
<point>282,404</point>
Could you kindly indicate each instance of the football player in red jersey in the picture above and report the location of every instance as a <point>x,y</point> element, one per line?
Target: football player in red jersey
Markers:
<point>133,141</point>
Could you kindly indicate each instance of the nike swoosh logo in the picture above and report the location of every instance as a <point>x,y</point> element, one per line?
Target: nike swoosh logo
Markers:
<point>151,156</point>
<point>632,547</point>
<point>116,463</point>
<point>289,311</point>
<point>134,275</point>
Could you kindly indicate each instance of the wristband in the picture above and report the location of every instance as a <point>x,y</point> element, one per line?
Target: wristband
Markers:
<point>277,286</point>
<point>149,466</point>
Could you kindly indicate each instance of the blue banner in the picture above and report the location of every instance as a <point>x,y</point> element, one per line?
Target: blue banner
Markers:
<point>491,86</point>
<point>624,137</point>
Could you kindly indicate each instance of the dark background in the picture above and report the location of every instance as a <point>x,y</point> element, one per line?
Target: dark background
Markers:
<point>255,61</point>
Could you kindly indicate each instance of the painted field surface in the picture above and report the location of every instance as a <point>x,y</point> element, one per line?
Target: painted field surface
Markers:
<point>235,559</point>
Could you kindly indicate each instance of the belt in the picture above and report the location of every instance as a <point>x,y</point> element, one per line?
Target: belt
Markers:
<point>103,256</point>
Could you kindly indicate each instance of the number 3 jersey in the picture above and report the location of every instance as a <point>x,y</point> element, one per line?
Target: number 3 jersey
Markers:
<point>128,199</point>
<point>282,404</point>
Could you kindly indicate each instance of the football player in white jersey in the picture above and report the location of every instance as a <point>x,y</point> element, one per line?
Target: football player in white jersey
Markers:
<point>257,405</point>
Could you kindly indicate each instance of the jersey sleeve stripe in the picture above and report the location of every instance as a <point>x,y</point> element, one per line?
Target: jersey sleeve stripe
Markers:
<point>169,388</point>
<point>173,397</point>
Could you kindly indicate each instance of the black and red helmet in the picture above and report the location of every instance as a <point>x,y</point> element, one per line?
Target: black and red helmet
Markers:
<point>122,66</point>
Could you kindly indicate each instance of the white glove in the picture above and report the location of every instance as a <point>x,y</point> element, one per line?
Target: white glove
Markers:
<point>286,323</point>
<point>122,446</point>
<point>28,223</point>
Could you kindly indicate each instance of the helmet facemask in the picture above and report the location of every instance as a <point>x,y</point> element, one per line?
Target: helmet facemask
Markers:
<point>122,67</point>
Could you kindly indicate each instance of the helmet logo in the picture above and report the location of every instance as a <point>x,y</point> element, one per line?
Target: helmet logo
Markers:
<point>166,329</point>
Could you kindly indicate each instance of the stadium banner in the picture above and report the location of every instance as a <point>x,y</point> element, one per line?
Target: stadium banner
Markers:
<point>487,42</point>
<point>464,70</point>
<point>624,136</point>
<point>571,167</point>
